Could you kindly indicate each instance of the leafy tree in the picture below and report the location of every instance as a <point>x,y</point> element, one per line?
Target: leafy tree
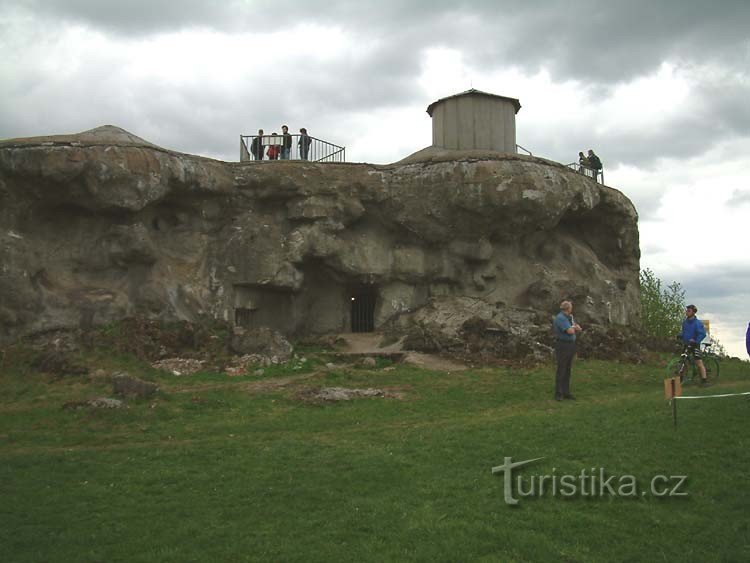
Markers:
<point>718,348</point>
<point>662,308</point>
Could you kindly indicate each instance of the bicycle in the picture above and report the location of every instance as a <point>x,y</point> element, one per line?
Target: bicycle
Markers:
<point>684,367</point>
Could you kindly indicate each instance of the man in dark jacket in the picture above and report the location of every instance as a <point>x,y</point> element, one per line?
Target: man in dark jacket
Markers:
<point>256,147</point>
<point>595,164</point>
<point>747,339</point>
<point>286,148</point>
<point>693,332</point>
<point>304,143</point>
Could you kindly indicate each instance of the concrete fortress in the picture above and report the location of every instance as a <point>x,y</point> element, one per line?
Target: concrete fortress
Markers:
<point>474,120</point>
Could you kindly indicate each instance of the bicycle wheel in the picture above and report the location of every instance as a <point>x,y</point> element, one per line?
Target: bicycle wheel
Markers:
<point>712,369</point>
<point>677,368</point>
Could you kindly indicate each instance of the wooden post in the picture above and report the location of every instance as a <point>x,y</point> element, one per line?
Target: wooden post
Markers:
<point>672,390</point>
<point>672,387</point>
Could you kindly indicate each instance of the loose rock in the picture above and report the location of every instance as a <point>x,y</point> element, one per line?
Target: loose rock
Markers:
<point>97,403</point>
<point>343,394</point>
<point>129,386</point>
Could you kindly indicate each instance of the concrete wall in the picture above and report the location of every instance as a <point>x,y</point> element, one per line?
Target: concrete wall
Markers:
<point>270,308</point>
<point>475,122</point>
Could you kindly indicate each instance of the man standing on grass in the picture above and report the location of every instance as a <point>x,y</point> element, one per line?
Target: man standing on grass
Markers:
<point>693,332</point>
<point>747,339</point>
<point>565,329</point>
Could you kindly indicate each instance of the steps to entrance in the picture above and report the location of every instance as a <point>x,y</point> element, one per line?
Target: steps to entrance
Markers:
<point>368,345</point>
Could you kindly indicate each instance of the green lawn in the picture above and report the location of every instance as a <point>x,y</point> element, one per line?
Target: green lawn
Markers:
<point>221,469</point>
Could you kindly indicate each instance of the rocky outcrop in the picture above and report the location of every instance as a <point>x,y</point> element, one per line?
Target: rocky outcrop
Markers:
<point>103,225</point>
<point>261,341</point>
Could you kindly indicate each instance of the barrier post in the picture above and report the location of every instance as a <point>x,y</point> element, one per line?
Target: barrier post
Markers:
<point>672,390</point>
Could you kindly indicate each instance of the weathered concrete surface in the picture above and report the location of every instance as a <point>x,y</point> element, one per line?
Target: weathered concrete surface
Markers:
<point>102,225</point>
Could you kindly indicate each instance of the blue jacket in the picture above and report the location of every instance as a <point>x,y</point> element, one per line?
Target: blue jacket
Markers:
<point>747,339</point>
<point>562,323</point>
<point>692,329</point>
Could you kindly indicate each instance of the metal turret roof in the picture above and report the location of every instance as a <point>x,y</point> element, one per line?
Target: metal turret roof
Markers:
<point>473,92</point>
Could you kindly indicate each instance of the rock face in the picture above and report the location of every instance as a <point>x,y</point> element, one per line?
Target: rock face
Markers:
<point>102,225</point>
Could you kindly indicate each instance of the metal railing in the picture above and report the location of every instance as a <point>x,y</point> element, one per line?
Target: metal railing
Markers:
<point>596,175</point>
<point>527,151</point>
<point>303,147</point>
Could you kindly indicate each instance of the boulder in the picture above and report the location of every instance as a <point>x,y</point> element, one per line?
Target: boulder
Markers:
<point>129,386</point>
<point>262,342</point>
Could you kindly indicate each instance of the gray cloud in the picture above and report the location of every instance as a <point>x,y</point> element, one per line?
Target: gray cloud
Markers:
<point>600,45</point>
<point>580,39</point>
<point>739,197</point>
<point>722,280</point>
<point>132,17</point>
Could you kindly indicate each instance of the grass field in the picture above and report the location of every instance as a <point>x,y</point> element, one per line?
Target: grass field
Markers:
<point>249,469</point>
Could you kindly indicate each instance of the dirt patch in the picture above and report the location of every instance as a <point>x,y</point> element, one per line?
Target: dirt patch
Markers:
<point>368,343</point>
<point>433,362</point>
<point>276,383</point>
<point>262,386</point>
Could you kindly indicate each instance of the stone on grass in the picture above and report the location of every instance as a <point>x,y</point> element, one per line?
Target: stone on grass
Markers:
<point>129,386</point>
<point>96,403</point>
<point>262,341</point>
<point>344,394</point>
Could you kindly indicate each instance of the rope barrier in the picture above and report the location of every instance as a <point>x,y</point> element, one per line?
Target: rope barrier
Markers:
<point>674,398</point>
<point>712,396</point>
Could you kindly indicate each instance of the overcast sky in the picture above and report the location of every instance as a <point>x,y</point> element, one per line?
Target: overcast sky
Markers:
<point>660,89</point>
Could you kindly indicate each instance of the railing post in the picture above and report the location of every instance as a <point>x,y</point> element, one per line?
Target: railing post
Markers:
<point>244,153</point>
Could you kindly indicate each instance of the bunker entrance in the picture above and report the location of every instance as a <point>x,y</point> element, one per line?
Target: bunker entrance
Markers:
<point>363,301</point>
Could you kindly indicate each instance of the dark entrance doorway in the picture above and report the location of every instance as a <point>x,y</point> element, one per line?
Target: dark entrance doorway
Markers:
<point>363,309</point>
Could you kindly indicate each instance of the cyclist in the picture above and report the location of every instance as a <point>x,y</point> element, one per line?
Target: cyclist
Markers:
<point>692,334</point>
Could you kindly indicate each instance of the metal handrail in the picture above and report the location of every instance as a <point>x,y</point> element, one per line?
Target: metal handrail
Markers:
<point>527,151</point>
<point>587,171</point>
<point>318,150</point>
<point>336,156</point>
